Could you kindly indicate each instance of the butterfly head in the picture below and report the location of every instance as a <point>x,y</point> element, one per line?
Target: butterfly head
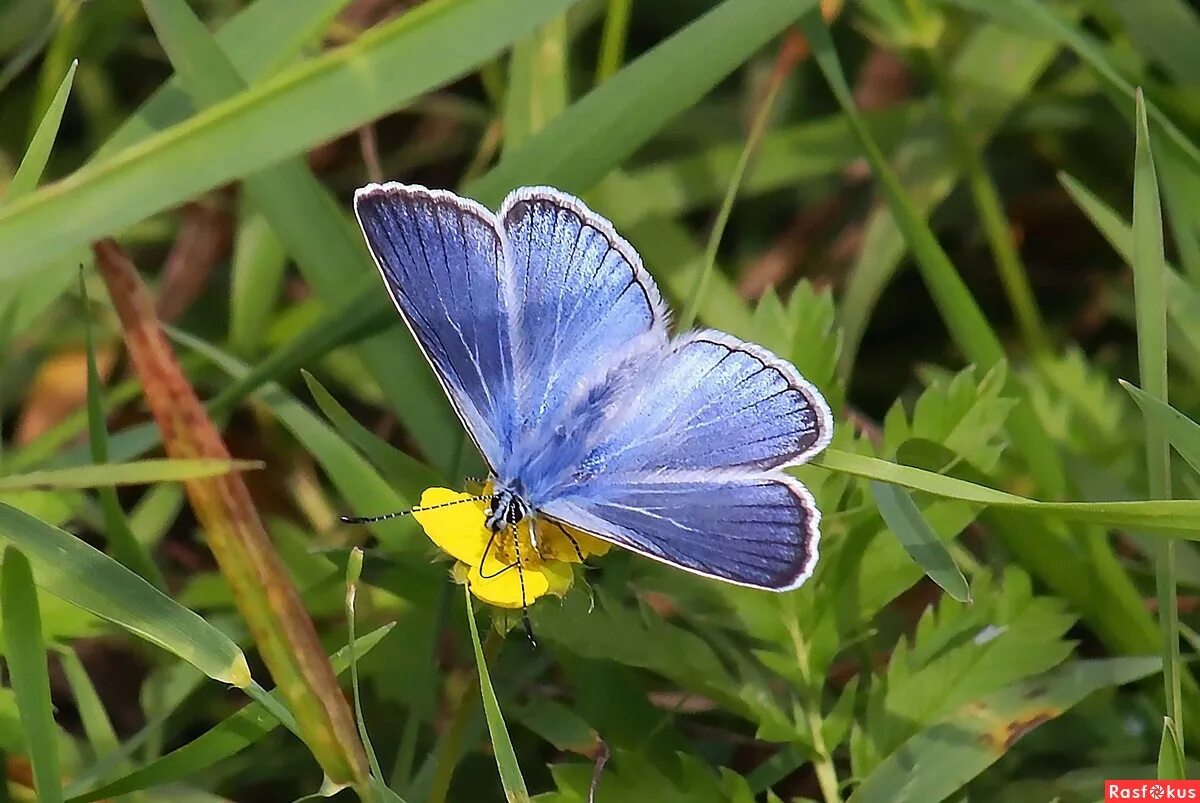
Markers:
<point>506,509</point>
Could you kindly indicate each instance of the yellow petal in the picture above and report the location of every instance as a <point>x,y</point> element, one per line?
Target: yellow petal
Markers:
<point>504,589</point>
<point>554,544</point>
<point>457,528</point>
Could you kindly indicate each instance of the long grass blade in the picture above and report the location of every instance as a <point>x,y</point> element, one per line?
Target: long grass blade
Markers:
<point>506,758</point>
<point>25,654</point>
<point>1149,282</point>
<point>87,578</point>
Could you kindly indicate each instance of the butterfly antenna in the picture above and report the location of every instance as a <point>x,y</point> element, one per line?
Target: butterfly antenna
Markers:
<point>397,514</point>
<point>521,580</point>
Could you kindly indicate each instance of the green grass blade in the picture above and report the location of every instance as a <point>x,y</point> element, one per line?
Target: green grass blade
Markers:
<point>257,270</point>
<point>962,315</point>
<point>757,130</point>
<point>537,82</point>
<point>922,544</point>
<point>599,131</point>
<point>25,655</point>
<point>96,725</point>
<point>1174,518</point>
<point>1182,432</point>
<point>353,573</point>
<point>121,540</point>
<point>227,738</point>
<point>988,205</point>
<point>259,39</point>
<point>408,474</point>
<point>1043,20</point>
<point>1149,289</point>
<point>279,118</point>
<point>38,153</point>
<point>83,576</point>
<point>612,40</point>
<point>506,757</point>
<point>136,472</point>
<point>313,229</point>
<point>1171,765</point>
<point>353,477</point>
<point>930,177</point>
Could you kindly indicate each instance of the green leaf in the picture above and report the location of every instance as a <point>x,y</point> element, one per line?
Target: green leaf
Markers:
<point>225,739</point>
<point>506,757</point>
<point>408,474</point>
<point>38,153</point>
<point>96,724</point>
<point>599,131</point>
<point>1181,431</point>
<point>919,540</point>
<point>310,103</point>
<point>25,655</point>
<point>353,573</point>
<point>121,540</point>
<point>1149,290</point>
<point>136,472</point>
<point>941,759</point>
<point>310,226</point>
<point>83,576</point>
<point>262,37</point>
<point>257,270</point>
<point>537,81</point>
<point>1171,517</point>
<point>1170,753</point>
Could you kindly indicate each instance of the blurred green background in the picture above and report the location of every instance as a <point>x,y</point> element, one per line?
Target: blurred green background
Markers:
<point>963,220</point>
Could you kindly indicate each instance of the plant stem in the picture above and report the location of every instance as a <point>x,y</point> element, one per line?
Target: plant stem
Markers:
<point>612,41</point>
<point>824,768</point>
<point>790,53</point>
<point>984,195</point>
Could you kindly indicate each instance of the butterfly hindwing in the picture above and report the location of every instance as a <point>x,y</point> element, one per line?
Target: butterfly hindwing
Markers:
<point>688,470</point>
<point>759,531</point>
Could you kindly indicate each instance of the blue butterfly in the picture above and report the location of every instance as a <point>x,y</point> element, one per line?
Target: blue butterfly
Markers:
<point>550,340</point>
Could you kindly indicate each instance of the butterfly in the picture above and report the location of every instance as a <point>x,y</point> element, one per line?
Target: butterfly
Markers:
<point>551,342</point>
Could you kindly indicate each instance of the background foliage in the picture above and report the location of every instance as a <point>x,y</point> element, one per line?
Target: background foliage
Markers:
<point>949,214</point>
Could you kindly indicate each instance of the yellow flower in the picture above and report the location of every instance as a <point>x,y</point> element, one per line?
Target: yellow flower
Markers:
<point>460,531</point>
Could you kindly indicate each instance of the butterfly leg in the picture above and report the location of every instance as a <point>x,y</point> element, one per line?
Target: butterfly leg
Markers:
<point>571,538</point>
<point>521,580</point>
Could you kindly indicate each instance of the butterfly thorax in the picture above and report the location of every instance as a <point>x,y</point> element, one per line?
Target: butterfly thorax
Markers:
<point>507,509</point>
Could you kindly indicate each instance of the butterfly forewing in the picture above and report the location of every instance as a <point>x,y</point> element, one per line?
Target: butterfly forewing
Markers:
<point>442,260</point>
